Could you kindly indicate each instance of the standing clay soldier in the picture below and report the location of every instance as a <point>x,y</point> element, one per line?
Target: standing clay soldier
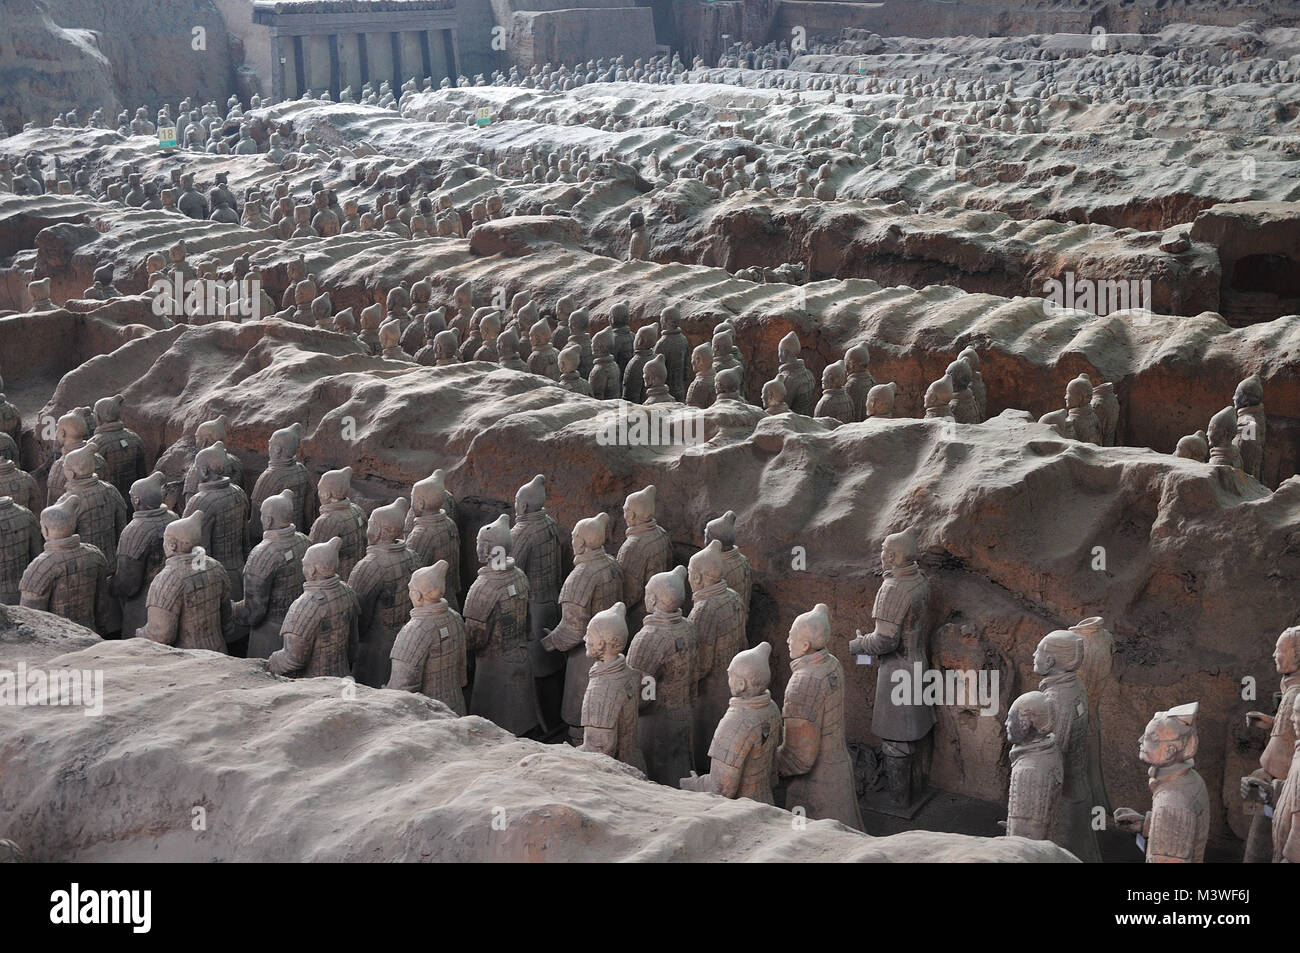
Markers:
<point>1034,799</point>
<point>858,380</point>
<point>284,472</point>
<point>612,695</point>
<point>742,751</point>
<point>545,360</point>
<point>1058,658</point>
<point>638,245</point>
<point>965,409</point>
<point>642,354</point>
<point>739,574</point>
<point>15,483</point>
<point>225,514</point>
<point>320,630</point>
<point>675,349</point>
<point>121,449</point>
<point>70,433</point>
<point>623,340</point>
<point>1264,786</point>
<point>1106,406</point>
<point>719,621</point>
<point>1098,656</point>
<point>1251,425</point>
<point>655,376</point>
<point>604,380</point>
<point>664,650</point>
<point>537,546</point>
<point>11,422</point>
<point>273,576</point>
<point>140,550</point>
<point>570,379</point>
<point>938,399</point>
<point>496,622</point>
<point>593,586</point>
<point>429,654</point>
<point>835,401</point>
<point>188,605</point>
<point>972,359</point>
<point>1178,824</point>
<point>798,380</point>
<point>901,615</point>
<point>380,581</point>
<point>102,513</point>
<point>20,543</point>
<point>340,517</point>
<point>702,392</point>
<point>70,577</point>
<point>433,534</point>
<point>647,550</point>
<point>205,435</point>
<point>1078,406</point>
<point>1222,435</point>
<point>814,755</point>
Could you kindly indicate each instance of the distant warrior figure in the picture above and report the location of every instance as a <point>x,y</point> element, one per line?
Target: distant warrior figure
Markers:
<point>1252,425</point>
<point>800,386</point>
<point>17,484</point>
<point>433,534</point>
<point>273,576</point>
<point>1178,824</point>
<point>638,245</point>
<point>938,399</point>
<point>604,380</point>
<point>835,401</point>
<point>655,375</point>
<point>964,407</point>
<point>1078,407</point>
<point>972,359</point>
<point>675,349</point>
<point>898,643</point>
<point>570,379</point>
<point>284,472</point>
<point>858,379</point>
<point>634,373</point>
<point>719,621</point>
<point>188,605</point>
<point>20,543</point>
<point>664,651</point>
<point>739,574</point>
<point>1264,787</point>
<point>225,508</point>
<point>647,550</point>
<point>429,655</point>
<point>205,435</point>
<point>593,586</point>
<point>814,755</point>
<point>70,577</point>
<point>121,449</point>
<point>320,632</point>
<point>538,549</point>
<point>70,432</point>
<point>140,550</point>
<point>102,513</point>
<point>702,392</point>
<point>1098,657</point>
<point>1222,434</point>
<point>340,517</point>
<point>623,338</point>
<point>1034,799</point>
<point>381,581</point>
<point>1106,406</point>
<point>545,360</point>
<point>612,693</point>
<point>496,621</point>
<point>11,422</point>
<point>742,751</point>
<point>880,401</point>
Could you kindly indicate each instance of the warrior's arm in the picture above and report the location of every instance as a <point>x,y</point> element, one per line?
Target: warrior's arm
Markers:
<point>477,634</point>
<point>129,578</point>
<point>882,641</point>
<point>600,740</point>
<point>252,609</point>
<point>572,627</point>
<point>160,626</point>
<point>722,779</point>
<point>798,753</point>
<point>293,657</point>
<point>108,611</point>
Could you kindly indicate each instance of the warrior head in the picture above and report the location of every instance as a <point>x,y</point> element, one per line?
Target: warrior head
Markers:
<point>750,671</point>
<point>789,348</point>
<point>589,535</point>
<point>321,561</point>
<point>181,536</point>
<point>283,445</point>
<point>1030,718</point>
<point>666,591</point>
<point>334,485</point>
<point>211,463</point>
<point>607,633</point>
<point>80,463</point>
<point>494,543</point>
<point>1170,736</point>
<point>810,632</point>
<point>531,497</point>
<point>387,523</point>
<point>60,520</point>
<point>428,584</point>
<point>277,511</point>
<point>880,400</point>
<point>1059,651</point>
<point>108,410</point>
<point>639,507</point>
<point>147,492</point>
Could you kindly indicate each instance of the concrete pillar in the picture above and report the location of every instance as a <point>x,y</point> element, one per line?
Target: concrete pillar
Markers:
<point>277,67</point>
<point>437,56</point>
<point>316,51</point>
<point>412,57</point>
<point>350,62</point>
<point>379,51</point>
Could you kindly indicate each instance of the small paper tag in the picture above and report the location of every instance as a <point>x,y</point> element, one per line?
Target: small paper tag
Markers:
<point>444,632</point>
<point>122,444</point>
<point>1268,810</point>
<point>1142,843</point>
<point>288,555</point>
<point>1078,709</point>
<point>511,590</point>
<point>360,521</point>
<point>866,660</point>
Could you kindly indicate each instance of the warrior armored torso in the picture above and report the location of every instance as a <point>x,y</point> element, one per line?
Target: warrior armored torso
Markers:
<point>19,485</point>
<point>902,605</point>
<point>434,536</point>
<point>746,741</point>
<point>347,521</point>
<point>719,635</point>
<point>646,551</point>
<point>276,478</point>
<point>1178,824</point>
<point>593,586</point>
<point>429,656</point>
<point>20,543</point>
<point>1070,723</point>
<point>664,650</point>
<point>189,604</point>
<point>273,579</point>
<point>609,712</point>
<point>319,631</point>
<point>380,580</point>
<point>1033,805</point>
<point>69,579</point>
<point>123,453</point>
<point>814,754</point>
<point>225,519</point>
<point>496,619</point>
<point>139,560</point>
<point>101,516</point>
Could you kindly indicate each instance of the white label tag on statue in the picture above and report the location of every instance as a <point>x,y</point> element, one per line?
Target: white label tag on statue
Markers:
<point>288,555</point>
<point>866,659</point>
<point>511,590</point>
<point>1142,843</point>
<point>360,521</point>
<point>1268,810</point>
<point>1078,709</point>
<point>443,632</point>
<point>122,444</point>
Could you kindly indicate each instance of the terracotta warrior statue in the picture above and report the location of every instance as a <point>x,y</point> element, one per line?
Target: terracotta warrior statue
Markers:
<point>340,517</point>
<point>320,632</point>
<point>544,361</point>
<point>702,392</point>
<point>121,449</point>
<point>673,347</point>
<point>101,513</point>
<point>188,605</point>
<point>655,376</point>
<point>225,514</point>
<point>739,574</point>
<point>537,545</point>
<point>664,651</point>
<point>800,386</point>
<point>570,378</point>
<point>1264,787</point>
<point>612,695</point>
<point>938,399</point>
<point>1034,800</point>
<point>623,338</point>
<point>647,550</point>
<point>71,432</point>
<point>1106,406</point>
<point>381,580</point>
<point>742,751</point>
<point>972,359</point>
<point>1098,657</point>
<point>20,543</point>
<point>15,483</point>
<point>880,401</point>
<point>897,643</point>
<point>1057,659</point>
<point>835,401</point>
<point>273,576</point>
<point>1194,446</point>
<point>70,577</point>
<point>964,407</point>
<point>284,472</point>
<point>205,435</point>
<point>719,620</point>
<point>814,755</point>
<point>140,550</point>
<point>1078,407</point>
<point>593,586</point>
<point>496,621</point>
<point>429,655</point>
<point>643,353</point>
<point>858,380</point>
<point>1252,425</point>
<point>1177,826</point>
<point>604,381</point>
<point>11,422</point>
<point>1222,434</point>
<point>432,533</point>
